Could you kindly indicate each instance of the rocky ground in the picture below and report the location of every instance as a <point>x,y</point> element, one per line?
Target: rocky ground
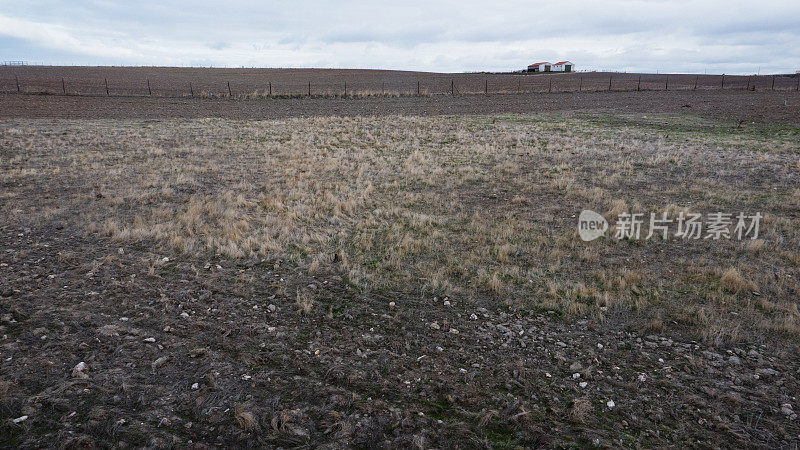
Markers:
<point>98,349</point>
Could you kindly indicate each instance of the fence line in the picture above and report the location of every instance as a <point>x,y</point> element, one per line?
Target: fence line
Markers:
<point>464,85</point>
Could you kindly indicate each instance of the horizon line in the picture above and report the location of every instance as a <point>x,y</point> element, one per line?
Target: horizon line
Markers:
<point>22,63</point>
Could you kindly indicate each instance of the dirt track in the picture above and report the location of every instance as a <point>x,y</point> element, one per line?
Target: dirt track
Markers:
<point>733,105</point>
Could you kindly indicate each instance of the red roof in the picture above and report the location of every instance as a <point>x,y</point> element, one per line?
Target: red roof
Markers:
<point>538,64</point>
<point>562,62</point>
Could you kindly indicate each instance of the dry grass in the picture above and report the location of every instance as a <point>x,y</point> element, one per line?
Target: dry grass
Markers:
<point>301,93</point>
<point>732,281</point>
<point>581,408</point>
<point>304,302</point>
<point>245,419</point>
<point>470,207</point>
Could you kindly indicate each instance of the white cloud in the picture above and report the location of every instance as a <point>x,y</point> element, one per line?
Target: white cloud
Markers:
<point>681,35</point>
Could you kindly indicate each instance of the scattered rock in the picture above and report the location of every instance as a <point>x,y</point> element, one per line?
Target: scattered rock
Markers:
<point>109,330</point>
<point>159,362</point>
<point>80,371</point>
<point>197,352</point>
<point>767,371</point>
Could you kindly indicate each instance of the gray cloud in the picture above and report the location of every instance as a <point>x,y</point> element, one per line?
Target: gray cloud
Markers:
<point>676,35</point>
<point>219,45</point>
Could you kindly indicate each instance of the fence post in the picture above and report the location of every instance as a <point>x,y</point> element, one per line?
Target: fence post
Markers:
<point>486,86</point>
<point>417,87</point>
<point>383,88</point>
<point>63,86</point>
<point>666,84</point>
<point>230,94</point>
<point>270,88</point>
<point>107,87</point>
<point>345,88</point>
<point>639,84</point>
<point>550,86</point>
<point>773,82</point>
<point>722,84</point>
<point>191,90</point>
<point>309,89</point>
<point>17,79</point>
<point>798,83</point>
<point>452,87</point>
<point>609,82</point>
<point>695,82</point>
<point>149,91</point>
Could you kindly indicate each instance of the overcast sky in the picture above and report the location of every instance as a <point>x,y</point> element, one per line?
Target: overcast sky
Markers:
<point>446,36</point>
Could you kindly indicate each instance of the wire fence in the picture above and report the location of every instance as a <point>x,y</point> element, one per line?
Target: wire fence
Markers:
<point>338,84</point>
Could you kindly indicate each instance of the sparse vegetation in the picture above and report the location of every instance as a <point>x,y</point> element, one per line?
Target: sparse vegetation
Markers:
<point>468,207</point>
<point>350,278</point>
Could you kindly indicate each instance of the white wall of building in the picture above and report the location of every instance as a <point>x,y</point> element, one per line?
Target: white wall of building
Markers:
<point>541,66</point>
<point>560,67</point>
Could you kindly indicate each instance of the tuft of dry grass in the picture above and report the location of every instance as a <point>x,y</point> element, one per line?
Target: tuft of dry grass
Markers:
<point>581,407</point>
<point>732,281</point>
<point>304,302</point>
<point>246,420</point>
<point>754,245</point>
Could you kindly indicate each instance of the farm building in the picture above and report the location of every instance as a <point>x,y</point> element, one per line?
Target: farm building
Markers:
<point>563,66</point>
<point>540,67</point>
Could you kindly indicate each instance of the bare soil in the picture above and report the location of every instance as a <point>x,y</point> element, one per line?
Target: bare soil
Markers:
<point>182,81</point>
<point>354,372</point>
<point>171,280</point>
<point>730,106</point>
